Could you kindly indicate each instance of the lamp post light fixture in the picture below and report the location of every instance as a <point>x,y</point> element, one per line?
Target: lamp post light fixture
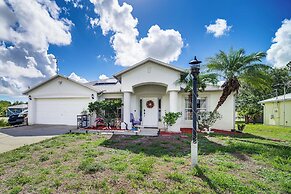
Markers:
<point>195,70</point>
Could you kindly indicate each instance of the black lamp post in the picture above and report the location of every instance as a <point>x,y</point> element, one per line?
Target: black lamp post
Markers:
<point>195,67</point>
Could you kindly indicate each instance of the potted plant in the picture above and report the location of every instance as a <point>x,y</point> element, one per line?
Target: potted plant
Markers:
<point>240,127</point>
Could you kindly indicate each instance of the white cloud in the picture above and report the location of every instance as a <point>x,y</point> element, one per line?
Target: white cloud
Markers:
<point>10,86</point>
<point>104,58</point>
<point>77,78</point>
<point>27,28</point>
<point>279,54</point>
<point>76,3</point>
<point>218,29</point>
<point>161,44</point>
<point>103,77</point>
<point>94,22</point>
<point>33,22</point>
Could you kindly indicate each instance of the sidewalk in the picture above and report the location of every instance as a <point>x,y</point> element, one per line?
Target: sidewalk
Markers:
<point>8,142</point>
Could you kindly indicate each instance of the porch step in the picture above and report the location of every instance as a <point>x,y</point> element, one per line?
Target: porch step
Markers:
<point>149,132</point>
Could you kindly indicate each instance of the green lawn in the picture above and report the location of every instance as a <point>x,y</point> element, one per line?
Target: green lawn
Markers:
<point>247,163</point>
<point>267,131</point>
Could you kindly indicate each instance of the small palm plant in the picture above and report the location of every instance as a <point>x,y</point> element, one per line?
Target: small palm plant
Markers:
<point>203,80</point>
<point>237,67</point>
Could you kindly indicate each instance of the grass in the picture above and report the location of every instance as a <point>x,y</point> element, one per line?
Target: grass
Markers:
<point>275,132</point>
<point>258,161</point>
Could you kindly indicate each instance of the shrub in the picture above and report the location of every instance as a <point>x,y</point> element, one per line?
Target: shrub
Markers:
<point>241,127</point>
<point>170,118</point>
<point>3,123</point>
<point>106,109</point>
<point>207,119</point>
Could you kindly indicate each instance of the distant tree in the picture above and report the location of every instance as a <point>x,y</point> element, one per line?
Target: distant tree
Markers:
<point>247,100</point>
<point>3,107</point>
<point>18,102</point>
<point>236,68</point>
<point>279,77</point>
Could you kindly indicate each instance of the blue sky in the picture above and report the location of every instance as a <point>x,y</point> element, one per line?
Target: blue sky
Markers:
<point>178,26</point>
<point>254,24</point>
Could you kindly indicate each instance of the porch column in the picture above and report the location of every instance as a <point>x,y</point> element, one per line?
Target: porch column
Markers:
<point>127,108</point>
<point>173,100</point>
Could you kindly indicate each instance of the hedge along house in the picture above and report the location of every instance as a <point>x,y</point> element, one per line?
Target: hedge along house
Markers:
<point>147,89</point>
<point>277,110</point>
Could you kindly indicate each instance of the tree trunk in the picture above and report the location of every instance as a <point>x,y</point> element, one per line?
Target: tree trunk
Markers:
<point>231,85</point>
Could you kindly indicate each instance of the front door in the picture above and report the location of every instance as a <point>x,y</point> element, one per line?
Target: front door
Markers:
<point>150,110</point>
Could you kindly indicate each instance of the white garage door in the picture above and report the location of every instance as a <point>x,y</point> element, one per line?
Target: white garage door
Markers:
<point>59,111</point>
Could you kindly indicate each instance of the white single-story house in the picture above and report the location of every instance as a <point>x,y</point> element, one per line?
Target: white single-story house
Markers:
<point>59,100</point>
<point>277,110</point>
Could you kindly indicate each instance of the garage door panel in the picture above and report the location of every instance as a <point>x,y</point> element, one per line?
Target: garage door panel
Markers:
<point>59,111</point>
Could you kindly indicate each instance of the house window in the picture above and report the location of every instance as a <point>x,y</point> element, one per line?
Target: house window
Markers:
<point>201,106</point>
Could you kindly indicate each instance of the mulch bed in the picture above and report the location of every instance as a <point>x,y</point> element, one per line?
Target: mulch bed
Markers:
<point>102,128</point>
<point>189,131</point>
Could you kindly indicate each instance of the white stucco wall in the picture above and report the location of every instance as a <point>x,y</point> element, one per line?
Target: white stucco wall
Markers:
<point>227,110</point>
<point>150,73</point>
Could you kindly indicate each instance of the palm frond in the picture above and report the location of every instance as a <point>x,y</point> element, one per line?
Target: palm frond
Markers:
<point>238,67</point>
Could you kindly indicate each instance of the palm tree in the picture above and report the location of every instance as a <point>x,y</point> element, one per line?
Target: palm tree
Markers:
<point>237,67</point>
<point>203,80</point>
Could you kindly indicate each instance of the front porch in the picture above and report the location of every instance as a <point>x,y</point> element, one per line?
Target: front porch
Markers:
<point>147,103</point>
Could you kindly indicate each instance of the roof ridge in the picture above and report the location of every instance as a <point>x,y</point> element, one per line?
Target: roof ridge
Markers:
<point>54,77</point>
<point>143,62</point>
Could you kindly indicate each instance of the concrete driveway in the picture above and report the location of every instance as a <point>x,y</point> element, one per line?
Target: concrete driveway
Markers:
<point>15,137</point>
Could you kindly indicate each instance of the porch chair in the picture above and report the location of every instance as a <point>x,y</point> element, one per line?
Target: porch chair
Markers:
<point>133,121</point>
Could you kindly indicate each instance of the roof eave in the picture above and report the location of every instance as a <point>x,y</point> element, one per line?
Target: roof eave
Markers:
<point>278,100</point>
<point>52,78</point>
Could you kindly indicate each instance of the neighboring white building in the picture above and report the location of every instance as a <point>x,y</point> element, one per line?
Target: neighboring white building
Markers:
<point>59,100</point>
<point>277,110</point>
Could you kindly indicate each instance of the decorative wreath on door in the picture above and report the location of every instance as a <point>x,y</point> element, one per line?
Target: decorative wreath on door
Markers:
<point>150,104</point>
